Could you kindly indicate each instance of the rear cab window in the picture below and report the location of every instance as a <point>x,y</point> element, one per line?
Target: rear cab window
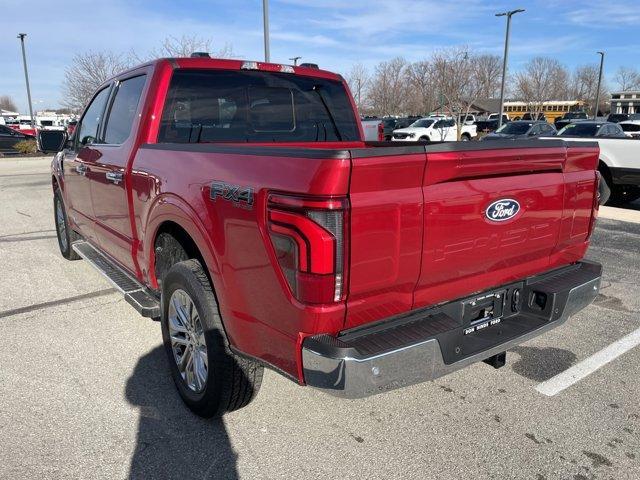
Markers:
<point>248,106</point>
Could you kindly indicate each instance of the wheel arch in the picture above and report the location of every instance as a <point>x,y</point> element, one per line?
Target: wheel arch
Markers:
<point>173,216</point>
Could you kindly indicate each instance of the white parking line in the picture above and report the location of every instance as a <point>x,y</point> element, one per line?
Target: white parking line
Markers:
<point>589,365</point>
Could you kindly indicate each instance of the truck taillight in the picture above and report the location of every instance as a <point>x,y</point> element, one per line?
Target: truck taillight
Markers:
<point>308,236</point>
<point>381,132</point>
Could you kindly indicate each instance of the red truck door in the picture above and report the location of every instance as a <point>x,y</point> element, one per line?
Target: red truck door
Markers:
<point>108,187</point>
<point>78,163</point>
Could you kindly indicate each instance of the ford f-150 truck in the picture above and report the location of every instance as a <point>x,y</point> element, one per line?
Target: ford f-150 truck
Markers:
<point>238,203</point>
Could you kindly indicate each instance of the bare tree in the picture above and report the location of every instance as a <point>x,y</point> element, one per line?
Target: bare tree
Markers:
<point>388,87</point>
<point>86,73</point>
<point>184,46</point>
<point>627,78</point>
<point>542,79</point>
<point>7,103</point>
<point>421,96</point>
<point>585,83</point>
<point>458,82</point>
<point>89,70</point>
<point>489,71</point>
<point>358,80</point>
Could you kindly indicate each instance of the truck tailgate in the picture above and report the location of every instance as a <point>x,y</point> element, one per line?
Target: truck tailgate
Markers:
<point>458,219</point>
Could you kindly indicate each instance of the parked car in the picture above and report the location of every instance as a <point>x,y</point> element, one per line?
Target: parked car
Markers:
<point>495,116</point>
<point>530,117</point>
<point>71,127</point>
<point>468,119</point>
<point>238,203</point>
<point>521,129</point>
<point>631,128</point>
<point>591,128</point>
<point>9,137</point>
<point>486,126</point>
<point>373,130</point>
<point>617,117</point>
<point>618,159</point>
<point>567,118</point>
<point>435,130</point>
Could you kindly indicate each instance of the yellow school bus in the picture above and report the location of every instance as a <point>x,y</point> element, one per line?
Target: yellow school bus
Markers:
<point>551,110</point>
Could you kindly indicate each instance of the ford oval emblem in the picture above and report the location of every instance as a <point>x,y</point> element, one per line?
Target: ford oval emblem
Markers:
<point>502,210</point>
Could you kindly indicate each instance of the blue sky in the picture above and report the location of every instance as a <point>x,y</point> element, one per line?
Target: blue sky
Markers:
<point>333,33</point>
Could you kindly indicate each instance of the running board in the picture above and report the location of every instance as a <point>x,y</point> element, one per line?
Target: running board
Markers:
<point>134,292</point>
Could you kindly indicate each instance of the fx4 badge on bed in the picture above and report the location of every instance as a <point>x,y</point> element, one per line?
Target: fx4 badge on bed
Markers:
<point>240,196</point>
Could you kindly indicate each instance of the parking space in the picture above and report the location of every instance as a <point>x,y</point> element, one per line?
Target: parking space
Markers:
<point>85,390</point>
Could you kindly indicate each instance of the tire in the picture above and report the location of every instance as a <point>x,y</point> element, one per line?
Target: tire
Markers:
<point>168,252</point>
<point>424,139</point>
<point>465,137</point>
<point>66,236</point>
<point>604,190</point>
<point>225,382</point>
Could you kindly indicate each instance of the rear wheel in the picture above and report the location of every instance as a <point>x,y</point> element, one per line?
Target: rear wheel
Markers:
<point>424,139</point>
<point>210,379</point>
<point>465,137</point>
<point>66,236</point>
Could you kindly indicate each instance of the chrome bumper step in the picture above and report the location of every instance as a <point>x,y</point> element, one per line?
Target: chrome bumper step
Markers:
<point>134,292</point>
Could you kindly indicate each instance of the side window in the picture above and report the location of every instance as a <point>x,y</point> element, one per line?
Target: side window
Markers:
<point>88,130</point>
<point>451,123</point>
<point>535,130</point>
<point>439,124</point>
<point>123,110</point>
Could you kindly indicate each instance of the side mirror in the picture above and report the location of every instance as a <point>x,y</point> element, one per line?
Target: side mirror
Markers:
<point>51,141</point>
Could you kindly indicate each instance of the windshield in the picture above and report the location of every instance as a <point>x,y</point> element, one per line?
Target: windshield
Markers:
<point>422,123</point>
<point>572,115</point>
<point>634,116</point>
<point>579,130</point>
<point>514,128</point>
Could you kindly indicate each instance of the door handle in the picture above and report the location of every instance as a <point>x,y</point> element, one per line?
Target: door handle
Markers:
<point>115,177</point>
<point>81,169</point>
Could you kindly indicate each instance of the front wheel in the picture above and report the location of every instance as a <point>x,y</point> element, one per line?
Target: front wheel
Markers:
<point>465,137</point>
<point>66,236</point>
<point>210,379</point>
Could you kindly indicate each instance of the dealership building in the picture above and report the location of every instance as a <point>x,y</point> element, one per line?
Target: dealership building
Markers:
<point>625,102</point>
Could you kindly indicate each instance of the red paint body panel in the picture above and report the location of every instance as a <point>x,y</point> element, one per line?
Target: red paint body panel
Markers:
<point>416,228</point>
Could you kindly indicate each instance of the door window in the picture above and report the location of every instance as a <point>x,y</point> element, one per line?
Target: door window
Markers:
<point>123,110</point>
<point>88,131</point>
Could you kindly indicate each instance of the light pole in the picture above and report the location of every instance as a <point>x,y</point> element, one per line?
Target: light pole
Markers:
<point>265,19</point>
<point>26,76</point>
<point>508,14</point>
<point>595,111</point>
<point>295,60</point>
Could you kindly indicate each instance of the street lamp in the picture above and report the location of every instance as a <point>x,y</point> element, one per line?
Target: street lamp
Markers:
<point>265,20</point>
<point>595,111</point>
<point>295,60</point>
<point>504,61</point>
<point>26,76</point>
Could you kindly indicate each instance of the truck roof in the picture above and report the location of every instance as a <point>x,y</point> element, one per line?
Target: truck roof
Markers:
<point>234,64</point>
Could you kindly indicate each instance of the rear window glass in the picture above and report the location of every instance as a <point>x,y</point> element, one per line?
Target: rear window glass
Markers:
<point>579,130</point>
<point>249,106</point>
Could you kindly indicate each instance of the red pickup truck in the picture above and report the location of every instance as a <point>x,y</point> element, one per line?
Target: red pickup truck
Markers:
<point>239,204</point>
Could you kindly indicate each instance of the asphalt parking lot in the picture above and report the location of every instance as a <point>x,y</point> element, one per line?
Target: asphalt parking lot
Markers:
<point>85,392</point>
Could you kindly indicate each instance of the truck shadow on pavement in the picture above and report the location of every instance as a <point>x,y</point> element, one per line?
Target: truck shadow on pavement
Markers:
<point>540,364</point>
<point>172,442</point>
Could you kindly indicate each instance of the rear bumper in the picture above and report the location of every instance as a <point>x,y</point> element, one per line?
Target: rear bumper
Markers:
<point>431,343</point>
